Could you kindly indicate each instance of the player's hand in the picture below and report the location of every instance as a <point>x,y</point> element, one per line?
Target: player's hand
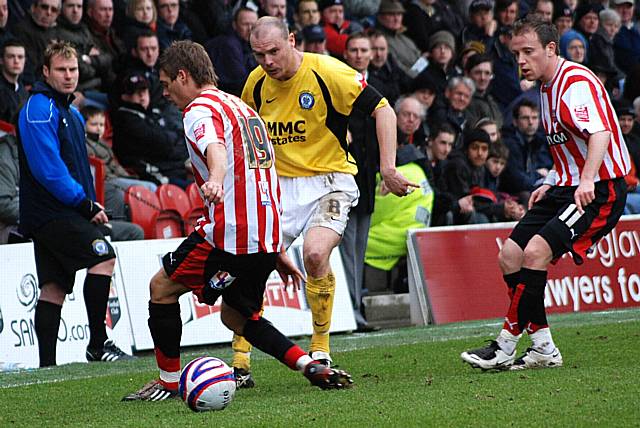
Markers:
<point>538,194</point>
<point>396,183</point>
<point>585,194</point>
<point>288,271</point>
<point>100,218</point>
<point>212,191</point>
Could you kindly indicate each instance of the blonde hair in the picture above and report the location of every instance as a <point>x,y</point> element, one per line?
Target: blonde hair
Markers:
<point>132,5</point>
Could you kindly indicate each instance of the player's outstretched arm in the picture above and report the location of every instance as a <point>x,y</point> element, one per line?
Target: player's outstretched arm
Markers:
<point>386,132</point>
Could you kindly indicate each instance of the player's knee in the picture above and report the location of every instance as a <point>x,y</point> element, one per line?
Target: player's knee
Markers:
<point>537,254</point>
<point>104,268</point>
<point>158,288</point>
<point>510,256</point>
<point>315,260</point>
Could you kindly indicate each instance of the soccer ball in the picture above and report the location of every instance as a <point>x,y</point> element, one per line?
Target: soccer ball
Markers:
<point>207,383</point>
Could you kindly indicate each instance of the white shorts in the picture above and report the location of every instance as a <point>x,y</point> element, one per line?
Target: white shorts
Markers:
<point>319,200</point>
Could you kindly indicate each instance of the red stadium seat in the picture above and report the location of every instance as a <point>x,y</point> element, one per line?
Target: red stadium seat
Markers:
<point>193,192</point>
<point>97,170</point>
<point>173,198</point>
<point>168,225</point>
<point>144,209</point>
<point>197,208</point>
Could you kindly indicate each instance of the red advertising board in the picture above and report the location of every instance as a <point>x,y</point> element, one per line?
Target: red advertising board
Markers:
<point>462,280</point>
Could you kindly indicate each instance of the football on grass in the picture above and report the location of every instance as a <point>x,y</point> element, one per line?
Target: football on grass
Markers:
<point>207,383</point>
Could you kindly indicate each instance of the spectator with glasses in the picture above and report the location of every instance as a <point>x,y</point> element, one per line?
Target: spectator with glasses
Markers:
<point>34,32</point>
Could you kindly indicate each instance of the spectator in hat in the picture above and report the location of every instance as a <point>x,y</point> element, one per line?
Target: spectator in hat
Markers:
<point>470,48</point>
<point>401,47</point>
<point>315,40</point>
<point>506,12</point>
<point>480,69</point>
<point>141,140</point>
<point>562,18</point>
<point>573,47</point>
<point>587,19</point>
<point>385,68</point>
<point>442,52</point>
<point>307,13</point>
<point>231,53</point>
<point>627,42</point>
<point>506,81</point>
<point>481,26</point>
<point>424,89</point>
<point>336,27</point>
<point>425,17</point>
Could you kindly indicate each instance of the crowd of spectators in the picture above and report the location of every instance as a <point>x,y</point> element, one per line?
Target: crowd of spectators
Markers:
<point>445,66</point>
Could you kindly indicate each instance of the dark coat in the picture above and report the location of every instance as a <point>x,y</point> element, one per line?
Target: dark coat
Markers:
<point>525,158</point>
<point>140,139</point>
<point>233,61</point>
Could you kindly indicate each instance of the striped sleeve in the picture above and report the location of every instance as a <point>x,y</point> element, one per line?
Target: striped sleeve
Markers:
<point>585,106</point>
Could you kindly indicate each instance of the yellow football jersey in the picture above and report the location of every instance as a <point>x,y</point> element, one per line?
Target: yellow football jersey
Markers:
<point>307,116</point>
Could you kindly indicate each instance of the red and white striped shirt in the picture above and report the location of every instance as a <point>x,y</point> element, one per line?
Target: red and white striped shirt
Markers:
<point>248,219</point>
<point>574,105</point>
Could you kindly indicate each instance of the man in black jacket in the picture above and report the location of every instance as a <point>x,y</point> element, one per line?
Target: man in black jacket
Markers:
<point>364,149</point>
<point>58,209</point>
<point>12,91</point>
<point>141,139</point>
<point>529,158</point>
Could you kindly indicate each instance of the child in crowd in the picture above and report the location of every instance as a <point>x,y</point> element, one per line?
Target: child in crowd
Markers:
<point>496,163</point>
<point>117,179</point>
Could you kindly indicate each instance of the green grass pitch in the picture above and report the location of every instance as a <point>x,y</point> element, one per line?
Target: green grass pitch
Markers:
<point>404,377</point>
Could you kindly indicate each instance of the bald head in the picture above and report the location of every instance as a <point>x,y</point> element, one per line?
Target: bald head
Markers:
<point>267,24</point>
<point>274,48</point>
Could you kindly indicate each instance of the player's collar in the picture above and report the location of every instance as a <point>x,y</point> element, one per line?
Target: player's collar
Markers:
<point>555,74</point>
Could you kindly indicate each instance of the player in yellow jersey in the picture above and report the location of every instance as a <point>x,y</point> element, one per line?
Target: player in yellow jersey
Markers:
<point>306,100</point>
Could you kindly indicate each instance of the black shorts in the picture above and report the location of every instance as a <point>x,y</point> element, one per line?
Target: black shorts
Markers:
<point>558,221</point>
<point>67,245</point>
<point>210,273</point>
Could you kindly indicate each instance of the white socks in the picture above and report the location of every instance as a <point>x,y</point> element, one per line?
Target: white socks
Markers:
<point>542,341</point>
<point>507,341</point>
<point>302,362</point>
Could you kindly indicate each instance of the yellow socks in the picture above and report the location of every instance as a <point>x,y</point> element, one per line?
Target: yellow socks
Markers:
<point>320,292</point>
<point>241,352</point>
